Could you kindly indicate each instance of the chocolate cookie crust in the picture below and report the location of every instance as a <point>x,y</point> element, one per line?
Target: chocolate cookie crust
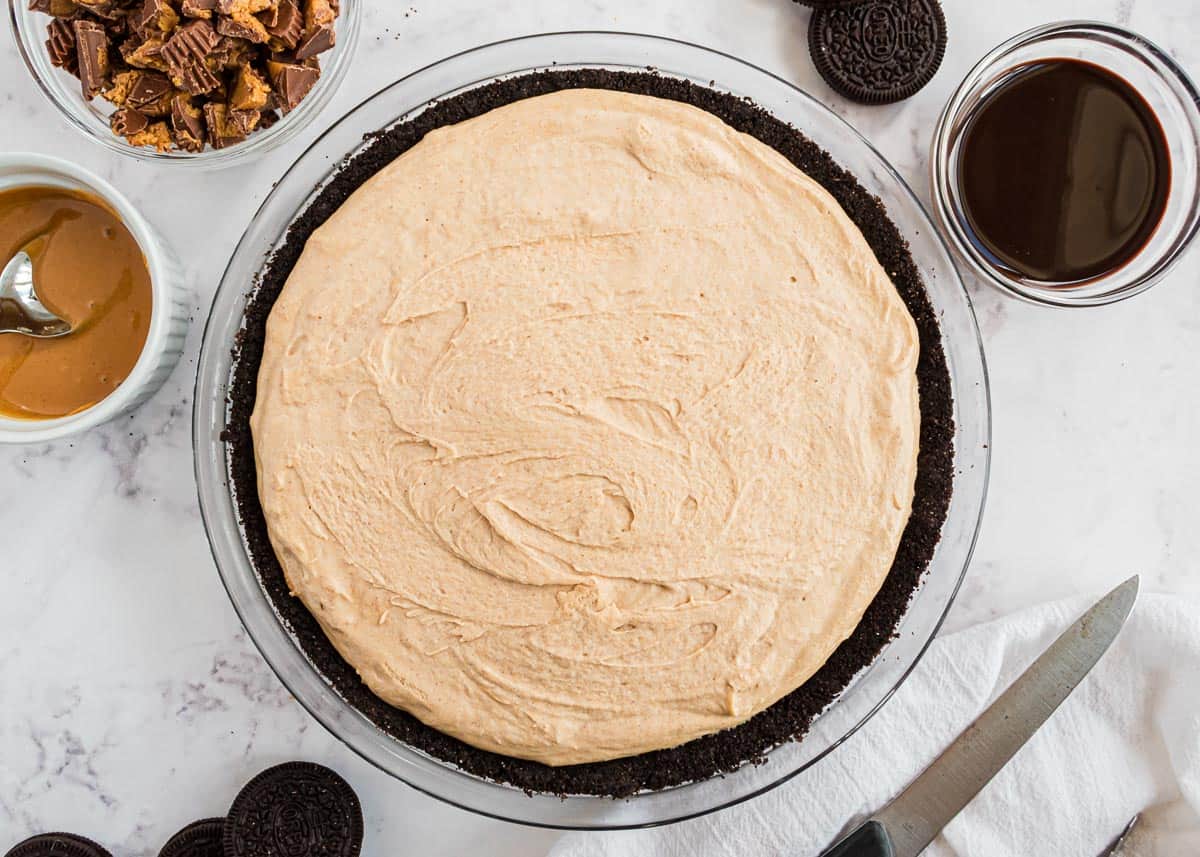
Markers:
<point>713,754</point>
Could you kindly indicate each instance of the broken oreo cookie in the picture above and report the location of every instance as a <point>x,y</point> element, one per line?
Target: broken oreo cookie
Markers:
<point>58,845</point>
<point>204,838</point>
<point>878,51</point>
<point>298,808</point>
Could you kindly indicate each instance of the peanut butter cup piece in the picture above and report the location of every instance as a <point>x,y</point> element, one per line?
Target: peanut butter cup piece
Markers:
<point>127,122</point>
<point>106,9</point>
<point>157,134</point>
<point>318,13</point>
<point>250,92</point>
<point>242,25</point>
<point>149,92</point>
<point>197,79</point>
<point>155,17</point>
<point>245,121</point>
<point>316,42</point>
<point>285,26</point>
<point>270,15</point>
<point>193,41</point>
<point>144,53</point>
<point>222,133</point>
<point>232,53</point>
<point>878,51</point>
<point>199,839</point>
<point>91,47</point>
<point>58,845</point>
<point>199,8</point>
<point>57,8</point>
<point>60,45</point>
<point>319,34</point>
<point>292,82</point>
<point>187,124</point>
<point>186,53</point>
<point>118,91</point>
<point>299,808</point>
<point>237,18</point>
<point>244,7</point>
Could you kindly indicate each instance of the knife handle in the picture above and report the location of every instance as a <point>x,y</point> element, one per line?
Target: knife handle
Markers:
<point>870,840</point>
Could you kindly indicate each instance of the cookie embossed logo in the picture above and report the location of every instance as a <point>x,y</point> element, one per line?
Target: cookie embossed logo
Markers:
<point>292,829</point>
<point>881,32</point>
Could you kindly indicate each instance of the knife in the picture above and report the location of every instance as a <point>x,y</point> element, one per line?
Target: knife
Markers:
<point>906,826</point>
<point>1117,845</point>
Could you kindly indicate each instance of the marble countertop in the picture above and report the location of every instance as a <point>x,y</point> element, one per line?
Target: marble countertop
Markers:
<point>131,700</point>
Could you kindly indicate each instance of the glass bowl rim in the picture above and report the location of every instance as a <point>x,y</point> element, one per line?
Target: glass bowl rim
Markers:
<point>200,411</point>
<point>1163,65</point>
<point>258,143</point>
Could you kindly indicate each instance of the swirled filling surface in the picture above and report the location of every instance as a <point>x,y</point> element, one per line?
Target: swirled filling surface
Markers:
<point>587,427</point>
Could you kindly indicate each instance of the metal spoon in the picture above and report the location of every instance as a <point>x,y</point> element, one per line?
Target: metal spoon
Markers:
<point>20,310</point>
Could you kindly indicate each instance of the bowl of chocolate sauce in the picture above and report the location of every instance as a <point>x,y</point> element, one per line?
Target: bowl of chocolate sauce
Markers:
<point>1065,168</point>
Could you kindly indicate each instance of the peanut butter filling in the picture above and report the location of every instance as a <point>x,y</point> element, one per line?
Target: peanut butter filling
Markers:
<point>587,427</point>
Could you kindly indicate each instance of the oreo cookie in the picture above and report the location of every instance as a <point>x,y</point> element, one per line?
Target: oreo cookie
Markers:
<point>878,51</point>
<point>300,809</point>
<point>828,4</point>
<point>205,838</point>
<point>58,845</point>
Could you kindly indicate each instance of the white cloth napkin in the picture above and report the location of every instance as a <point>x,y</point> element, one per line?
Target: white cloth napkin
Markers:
<point>1127,741</point>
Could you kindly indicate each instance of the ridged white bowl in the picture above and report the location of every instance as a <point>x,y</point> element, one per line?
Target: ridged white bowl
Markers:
<point>168,315</point>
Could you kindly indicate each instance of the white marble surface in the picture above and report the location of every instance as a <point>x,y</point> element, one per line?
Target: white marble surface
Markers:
<point>131,701</point>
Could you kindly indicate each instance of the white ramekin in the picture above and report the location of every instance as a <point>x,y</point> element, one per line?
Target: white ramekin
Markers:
<point>168,314</point>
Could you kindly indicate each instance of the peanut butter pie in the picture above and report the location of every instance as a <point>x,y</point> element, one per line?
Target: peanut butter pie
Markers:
<point>600,422</point>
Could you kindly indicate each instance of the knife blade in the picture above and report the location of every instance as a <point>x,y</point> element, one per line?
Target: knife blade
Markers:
<point>906,826</point>
<point>1115,847</point>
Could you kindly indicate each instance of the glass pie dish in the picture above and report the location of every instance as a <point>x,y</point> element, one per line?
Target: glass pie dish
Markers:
<point>613,51</point>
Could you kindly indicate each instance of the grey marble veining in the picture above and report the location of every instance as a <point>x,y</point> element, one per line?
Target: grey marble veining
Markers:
<point>131,701</point>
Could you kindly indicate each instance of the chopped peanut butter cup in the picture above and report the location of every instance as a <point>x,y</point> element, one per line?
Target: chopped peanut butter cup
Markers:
<point>249,58</point>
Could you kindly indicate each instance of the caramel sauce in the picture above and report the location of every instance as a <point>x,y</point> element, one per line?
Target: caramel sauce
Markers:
<point>89,270</point>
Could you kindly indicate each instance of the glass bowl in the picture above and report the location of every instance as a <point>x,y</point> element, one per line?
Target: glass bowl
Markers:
<point>408,97</point>
<point>91,117</point>
<point>1169,92</point>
